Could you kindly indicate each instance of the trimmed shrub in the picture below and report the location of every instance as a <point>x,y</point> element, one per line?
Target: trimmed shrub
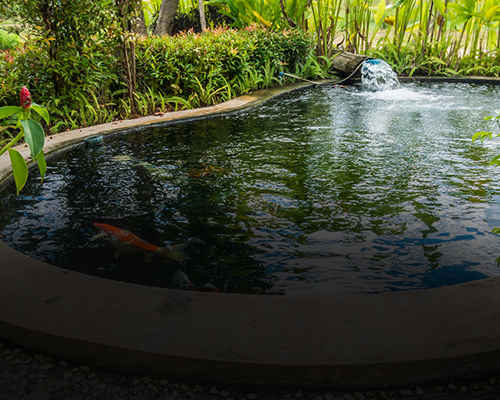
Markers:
<point>183,71</point>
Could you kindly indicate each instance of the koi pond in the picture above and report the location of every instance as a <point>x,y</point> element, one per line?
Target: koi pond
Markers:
<point>328,190</point>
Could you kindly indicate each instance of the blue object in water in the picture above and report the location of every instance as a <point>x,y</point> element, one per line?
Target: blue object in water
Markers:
<point>372,61</point>
<point>95,140</point>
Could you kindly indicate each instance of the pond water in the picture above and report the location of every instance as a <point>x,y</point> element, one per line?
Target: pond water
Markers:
<point>327,190</point>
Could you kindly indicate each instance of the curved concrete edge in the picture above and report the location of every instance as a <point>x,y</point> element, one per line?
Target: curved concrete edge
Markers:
<point>344,341</point>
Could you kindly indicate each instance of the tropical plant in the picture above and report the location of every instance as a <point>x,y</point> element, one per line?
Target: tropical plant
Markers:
<point>8,40</point>
<point>31,131</point>
<point>489,135</point>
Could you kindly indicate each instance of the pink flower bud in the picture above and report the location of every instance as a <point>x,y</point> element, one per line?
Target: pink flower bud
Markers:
<point>25,98</point>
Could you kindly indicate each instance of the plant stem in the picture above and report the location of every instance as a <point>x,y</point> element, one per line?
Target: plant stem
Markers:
<point>12,142</point>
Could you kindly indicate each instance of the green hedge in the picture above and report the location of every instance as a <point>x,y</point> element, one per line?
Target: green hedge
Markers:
<point>205,69</point>
<point>184,71</point>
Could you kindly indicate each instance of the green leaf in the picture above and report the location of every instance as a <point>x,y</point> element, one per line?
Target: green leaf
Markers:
<point>42,164</point>
<point>19,168</point>
<point>491,13</point>
<point>495,160</point>
<point>9,110</point>
<point>34,136</point>
<point>379,15</point>
<point>41,110</point>
<point>441,7</point>
<point>483,135</point>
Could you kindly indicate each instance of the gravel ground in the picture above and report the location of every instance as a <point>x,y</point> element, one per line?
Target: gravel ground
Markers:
<point>28,376</point>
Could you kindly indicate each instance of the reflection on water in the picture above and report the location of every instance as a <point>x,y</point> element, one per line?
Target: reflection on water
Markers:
<point>328,190</point>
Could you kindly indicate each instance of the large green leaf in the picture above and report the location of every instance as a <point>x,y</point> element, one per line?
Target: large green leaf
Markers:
<point>19,168</point>
<point>9,110</point>
<point>42,164</point>
<point>34,136</point>
<point>440,5</point>
<point>41,110</point>
<point>380,12</point>
<point>491,13</point>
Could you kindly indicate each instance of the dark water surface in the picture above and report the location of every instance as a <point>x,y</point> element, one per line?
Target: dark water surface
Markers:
<point>328,190</point>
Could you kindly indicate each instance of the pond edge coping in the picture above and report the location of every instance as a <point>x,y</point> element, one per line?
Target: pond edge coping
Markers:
<point>336,341</point>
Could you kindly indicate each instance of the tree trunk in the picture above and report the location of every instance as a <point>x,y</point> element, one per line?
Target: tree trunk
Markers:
<point>346,63</point>
<point>203,23</point>
<point>165,23</point>
<point>285,15</point>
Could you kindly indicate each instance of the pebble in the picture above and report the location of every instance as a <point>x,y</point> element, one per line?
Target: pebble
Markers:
<point>61,394</point>
<point>27,376</point>
<point>104,396</point>
<point>110,377</point>
<point>47,360</point>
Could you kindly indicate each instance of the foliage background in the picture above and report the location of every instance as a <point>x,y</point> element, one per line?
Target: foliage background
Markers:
<point>86,63</point>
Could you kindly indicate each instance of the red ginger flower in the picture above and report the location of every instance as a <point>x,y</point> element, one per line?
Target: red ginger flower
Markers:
<point>25,98</point>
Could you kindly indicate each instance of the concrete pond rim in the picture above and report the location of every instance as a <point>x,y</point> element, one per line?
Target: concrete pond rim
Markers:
<point>341,341</point>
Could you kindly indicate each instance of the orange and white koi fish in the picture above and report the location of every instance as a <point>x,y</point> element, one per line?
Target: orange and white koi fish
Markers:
<point>126,241</point>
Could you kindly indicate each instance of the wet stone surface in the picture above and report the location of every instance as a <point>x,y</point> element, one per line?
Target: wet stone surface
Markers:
<point>28,376</point>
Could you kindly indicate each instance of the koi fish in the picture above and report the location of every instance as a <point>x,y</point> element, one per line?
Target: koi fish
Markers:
<point>126,241</point>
